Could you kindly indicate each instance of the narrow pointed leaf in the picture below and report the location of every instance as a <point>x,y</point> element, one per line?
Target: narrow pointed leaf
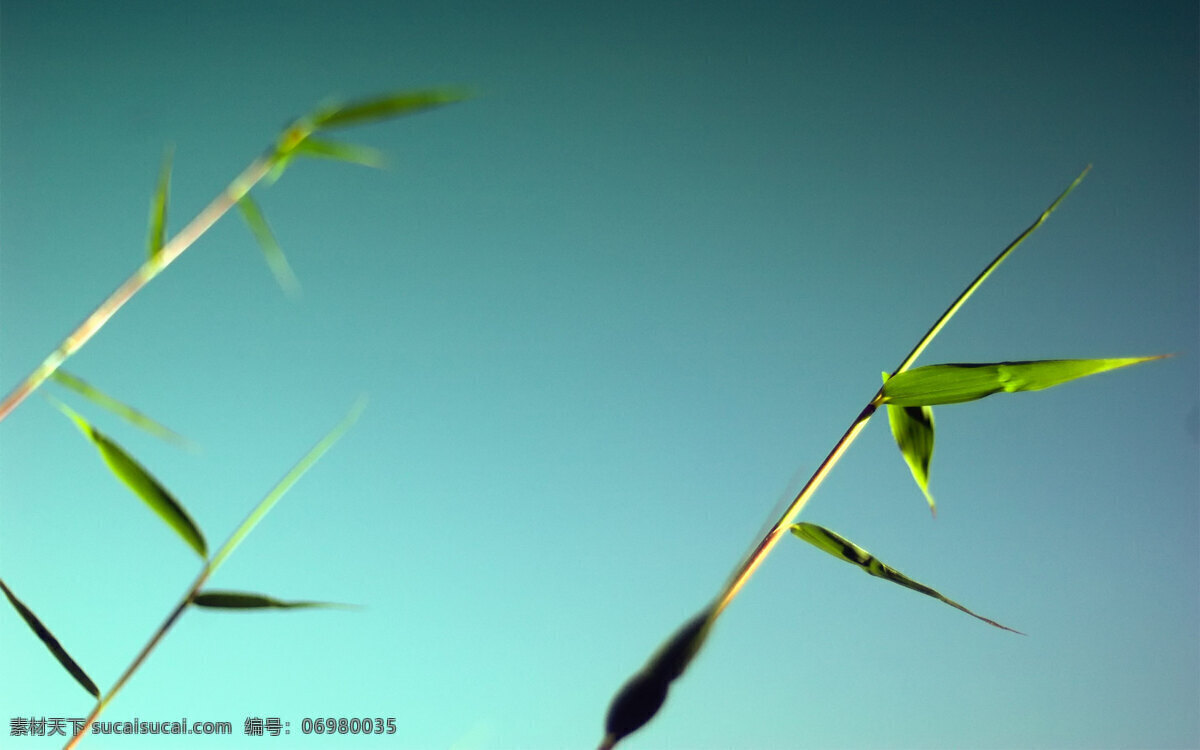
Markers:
<point>957,383</point>
<point>321,149</point>
<point>912,426</point>
<point>51,642</point>
<point>244,600</point>
<point>158,207</point>
<point>138,479</point>
<point>643,695</point>
<point>128,413</point>
<point>385,107</point>
<point>844,549</point>
<point>279,163</point>
<point>271,250</point>
<point>297,471</point>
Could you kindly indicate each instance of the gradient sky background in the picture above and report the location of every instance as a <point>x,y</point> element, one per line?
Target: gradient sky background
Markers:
<point>607,314</point>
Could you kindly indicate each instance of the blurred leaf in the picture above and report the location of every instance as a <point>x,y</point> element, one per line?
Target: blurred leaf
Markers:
<point>844,549</point>
<point>295,139</point>
<point>285,147</point>
<point>128,413</point>
<point>243,600</point>
<point>297,471</point>
<point>51,642</point>
<point>279,163</point>
<point>957,383</point>
<point>912,426</point>
<point>319,149</point>
<point>141,482</point>
<point>270,247</point>
<point>158,207</point>
<point>384,107</point>
<point>293,135</point>
<point>640,698</point>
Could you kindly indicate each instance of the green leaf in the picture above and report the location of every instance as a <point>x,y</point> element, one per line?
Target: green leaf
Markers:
<point>244,600</point>
<point>295,139</point>
<point>51,642</point>
<point>297,471</point>
<point>128,413</point>
<point>279,162</point>
<point>321,149</point>
<point>957,383</point>
<point>912,426</point>
<point>640,698</point>
<point>271,250</point>
<point>158,207</point>
<point>141,482</point>
<point>278,165</point>
<point>844,549</point>
<point>384,107</point>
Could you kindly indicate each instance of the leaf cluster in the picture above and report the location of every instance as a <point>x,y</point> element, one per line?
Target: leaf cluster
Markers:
<point>296,140</point>
<point>908,395</point>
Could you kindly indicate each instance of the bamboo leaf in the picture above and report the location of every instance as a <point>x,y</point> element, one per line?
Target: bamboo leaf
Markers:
<point>143,484</point>
<point>51,642</point>
<point>285,147</point>
<point>961,382</point>
<point>279,162</point>
<point>244,600</point>
<point>912,426</point>
<point>384,107</point>
<point>128,413</point>
<point>158,207</point>
<point>844,549</point>
<point>297,471</point>
<point>271,250</point>
<point>321,149</point>
<point>640,698</point>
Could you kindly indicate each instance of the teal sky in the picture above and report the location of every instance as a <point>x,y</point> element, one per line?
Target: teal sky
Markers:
<point>608,313</point>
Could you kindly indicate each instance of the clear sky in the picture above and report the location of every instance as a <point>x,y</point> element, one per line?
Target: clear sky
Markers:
<point>607,313</point>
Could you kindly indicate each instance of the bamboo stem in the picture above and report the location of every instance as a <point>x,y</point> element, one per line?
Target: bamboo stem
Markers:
<point>772,537</point>
<point>184,239</point>
<point>141,657</point>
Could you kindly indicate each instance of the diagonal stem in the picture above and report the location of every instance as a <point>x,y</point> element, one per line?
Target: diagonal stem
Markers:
<point>772,537</point>
<point>210,565</point>
<point>186,237</point>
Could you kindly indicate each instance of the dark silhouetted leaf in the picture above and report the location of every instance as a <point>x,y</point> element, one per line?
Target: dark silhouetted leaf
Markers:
<point>844,549</point>
<point>244,600</point>
<point>51,642</point>
<point>141,482</point>
<point>128,413</point>
<point>912,426</point>
<point>957,383</point>
<point>643,695</point>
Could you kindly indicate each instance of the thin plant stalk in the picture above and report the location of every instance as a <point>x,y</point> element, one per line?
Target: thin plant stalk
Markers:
<point>184,239</point>
<point>141,657</point>
<point>777,531</point>
<point>214,562</point>
<point>292,141</point>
